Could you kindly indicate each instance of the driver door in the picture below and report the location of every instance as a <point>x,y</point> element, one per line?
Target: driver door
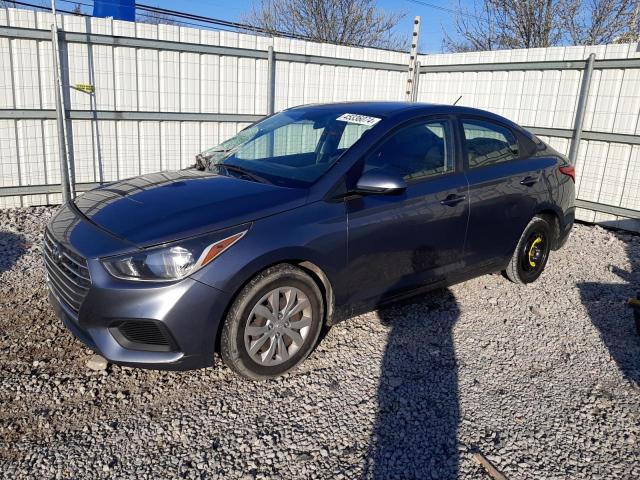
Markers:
<point>398,242</point>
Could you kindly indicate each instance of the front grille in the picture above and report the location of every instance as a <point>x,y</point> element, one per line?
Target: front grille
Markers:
<point>142,335</point>
<point>67,271</point>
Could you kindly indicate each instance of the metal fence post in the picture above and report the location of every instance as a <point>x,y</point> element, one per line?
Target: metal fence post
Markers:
<point>62,144</point>
<point>271,94</point>
<point>581,109</point>
<point>416,83</point>
<point>271,81</point>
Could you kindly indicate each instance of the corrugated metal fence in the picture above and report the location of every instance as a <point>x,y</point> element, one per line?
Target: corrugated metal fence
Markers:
<point>163,93</point>
<point>539,89</point>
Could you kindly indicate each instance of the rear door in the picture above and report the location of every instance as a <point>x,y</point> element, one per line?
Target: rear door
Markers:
<point>506,182</point>
<point>399,242</point>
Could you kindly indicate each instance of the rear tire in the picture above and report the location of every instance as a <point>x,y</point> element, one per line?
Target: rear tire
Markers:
<point>273,324</point>
<point>532,252</point>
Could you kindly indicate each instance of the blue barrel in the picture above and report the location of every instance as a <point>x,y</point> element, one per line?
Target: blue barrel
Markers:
<point>118,9</point>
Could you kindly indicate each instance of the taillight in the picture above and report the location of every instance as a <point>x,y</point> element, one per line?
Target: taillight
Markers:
<point>569,171</point>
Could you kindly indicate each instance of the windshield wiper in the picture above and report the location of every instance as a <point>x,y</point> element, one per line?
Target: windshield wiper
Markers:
<point>246,173</point>
<point>241,171</point>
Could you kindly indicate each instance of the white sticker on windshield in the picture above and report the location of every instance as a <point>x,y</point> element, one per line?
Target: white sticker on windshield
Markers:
<point>359,119</point>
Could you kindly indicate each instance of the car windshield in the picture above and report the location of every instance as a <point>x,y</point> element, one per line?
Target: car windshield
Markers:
<point>293,148</point>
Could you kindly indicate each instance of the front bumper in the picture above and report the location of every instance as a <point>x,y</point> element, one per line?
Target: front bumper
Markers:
<point>183,315</point>
<point>191,314</point>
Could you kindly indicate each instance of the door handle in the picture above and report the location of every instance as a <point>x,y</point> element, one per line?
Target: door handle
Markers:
<point>452,200</point>
<point>529,180</point>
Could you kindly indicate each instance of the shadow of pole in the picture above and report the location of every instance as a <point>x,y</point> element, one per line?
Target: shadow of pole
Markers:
<point>606,304</point>
<point>12,247</point>
<point>415,435</point>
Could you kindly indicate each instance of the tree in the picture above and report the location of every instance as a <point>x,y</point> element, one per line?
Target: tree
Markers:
<point>633,35</point>
<point>594,22</point>
<point>497,24</point>
<point>507,24</point>
<point>355,22</point>
<point>155,18</point>
<point>476,29</point>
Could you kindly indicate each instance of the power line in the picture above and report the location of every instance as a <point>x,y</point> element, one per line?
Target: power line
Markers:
<point>202,21</point>
<point>243,26</point>
<point>150,16</point>
<point>443,9</point>
<point>159,21</point>
<point>247,27</point>
<point>207,21</point>
<point>210,20</point>
<point>47,8</point>
<point>221,22</point>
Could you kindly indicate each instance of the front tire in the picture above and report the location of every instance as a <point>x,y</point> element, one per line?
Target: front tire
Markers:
<point>532,252</point>
<point>273,324</point>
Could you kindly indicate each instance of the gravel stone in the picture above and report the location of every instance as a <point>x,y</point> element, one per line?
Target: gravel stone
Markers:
<point>542,379</point>
<point>97,363</point>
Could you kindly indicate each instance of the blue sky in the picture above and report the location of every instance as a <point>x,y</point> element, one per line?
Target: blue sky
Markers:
<point>433,20</point>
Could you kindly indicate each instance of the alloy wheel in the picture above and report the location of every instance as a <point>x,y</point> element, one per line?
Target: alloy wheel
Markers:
<point>278,325</point>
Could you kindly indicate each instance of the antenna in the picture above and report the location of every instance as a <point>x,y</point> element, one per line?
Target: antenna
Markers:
<point>455,103</point>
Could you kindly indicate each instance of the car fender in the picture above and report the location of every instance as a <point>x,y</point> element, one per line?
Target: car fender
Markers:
<point>315,233</point>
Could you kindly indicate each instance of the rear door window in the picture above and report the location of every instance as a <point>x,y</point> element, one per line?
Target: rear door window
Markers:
<point>488,143</point>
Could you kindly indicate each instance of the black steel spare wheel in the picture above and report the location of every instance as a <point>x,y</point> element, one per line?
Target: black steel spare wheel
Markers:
<point>531,255</point>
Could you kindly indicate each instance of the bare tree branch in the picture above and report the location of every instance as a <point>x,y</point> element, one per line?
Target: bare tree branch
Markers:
<point>156,18</point>
<point>355,22</point>
<point>498,24</point>
<point>476,28</point>
<point>593,22</point>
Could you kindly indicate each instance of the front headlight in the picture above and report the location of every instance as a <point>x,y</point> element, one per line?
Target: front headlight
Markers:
<point>172,261</point>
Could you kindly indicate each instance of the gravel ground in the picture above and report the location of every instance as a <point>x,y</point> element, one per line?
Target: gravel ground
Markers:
<point>543,380</point>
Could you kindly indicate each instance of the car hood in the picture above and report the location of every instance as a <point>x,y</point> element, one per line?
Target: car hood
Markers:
<point>162,207</point>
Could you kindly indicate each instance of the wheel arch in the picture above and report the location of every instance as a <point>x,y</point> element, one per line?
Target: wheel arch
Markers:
<point>322,280</point>
<point>552,216</point>
<point>316,273</point>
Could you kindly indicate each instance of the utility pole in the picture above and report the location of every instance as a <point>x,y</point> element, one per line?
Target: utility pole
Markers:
<point>62,144</point>
<point>411,90</point>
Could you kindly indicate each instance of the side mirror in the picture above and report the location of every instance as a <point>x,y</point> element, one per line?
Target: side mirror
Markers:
<point>380,182</point>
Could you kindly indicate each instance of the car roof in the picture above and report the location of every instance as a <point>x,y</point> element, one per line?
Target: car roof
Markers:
<point>390,108</point>
<point>383,109</point>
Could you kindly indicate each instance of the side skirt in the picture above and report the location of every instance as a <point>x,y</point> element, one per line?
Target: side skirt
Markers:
<point>344,312</point>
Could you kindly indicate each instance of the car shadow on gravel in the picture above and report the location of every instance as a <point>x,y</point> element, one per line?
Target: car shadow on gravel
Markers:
<point>606,304</point>
<point>12,247</point>
<point>415,435</point>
